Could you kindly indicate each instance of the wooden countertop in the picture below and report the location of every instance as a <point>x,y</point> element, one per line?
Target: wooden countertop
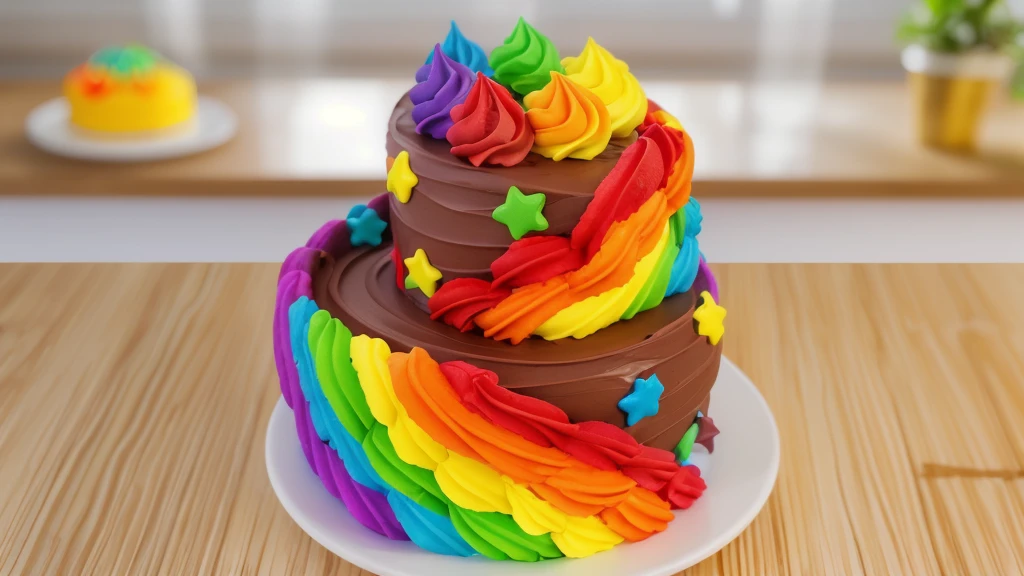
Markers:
<point>134,400</point>
<point>326,138</point>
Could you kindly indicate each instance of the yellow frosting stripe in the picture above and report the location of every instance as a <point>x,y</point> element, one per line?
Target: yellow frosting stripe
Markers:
<point>468,483</point>
<point>534,516</point>
<point>610,80</point>
<point>472,485</point>
<point>413,445</point>
<point>584,536</point>
<point>588,316</point>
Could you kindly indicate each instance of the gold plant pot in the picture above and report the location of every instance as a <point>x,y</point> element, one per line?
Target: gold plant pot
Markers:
<point>950,93</point>
<point>948,109</point>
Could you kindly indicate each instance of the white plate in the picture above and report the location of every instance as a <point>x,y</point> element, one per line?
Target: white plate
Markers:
<point>740,475</point>
<point>49,128</point>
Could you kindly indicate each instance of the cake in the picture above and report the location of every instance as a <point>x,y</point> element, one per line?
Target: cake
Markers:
<point>129,89</point>
<point>510,352</point>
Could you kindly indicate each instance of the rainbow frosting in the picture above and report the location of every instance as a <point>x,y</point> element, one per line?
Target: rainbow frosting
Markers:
<point>510,354</point>
<point>129,89</point>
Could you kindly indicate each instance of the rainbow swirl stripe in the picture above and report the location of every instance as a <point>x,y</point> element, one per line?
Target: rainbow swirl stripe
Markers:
<point>442,455</point>
<point>631,249</point>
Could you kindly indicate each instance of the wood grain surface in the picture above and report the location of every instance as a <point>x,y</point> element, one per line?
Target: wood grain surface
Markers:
<point>134,401</point>
<point>325,137</point>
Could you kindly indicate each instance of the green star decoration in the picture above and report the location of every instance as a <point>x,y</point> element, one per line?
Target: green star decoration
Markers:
<point>521,213</point>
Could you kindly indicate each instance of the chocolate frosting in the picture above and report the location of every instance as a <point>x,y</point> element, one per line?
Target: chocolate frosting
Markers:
<point>585,378</point>
<point>449,213</point>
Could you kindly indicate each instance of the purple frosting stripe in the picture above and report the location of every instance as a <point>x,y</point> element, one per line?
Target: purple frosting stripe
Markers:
<point>369,507</point>
<point>443,83</point>
<point>706,280</point>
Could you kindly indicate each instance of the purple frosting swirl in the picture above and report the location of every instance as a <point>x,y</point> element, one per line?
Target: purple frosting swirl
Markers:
<point>442,84</point>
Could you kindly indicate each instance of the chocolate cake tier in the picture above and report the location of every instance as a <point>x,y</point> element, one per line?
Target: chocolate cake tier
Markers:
<point>585,378</point>
<point>449,212</point>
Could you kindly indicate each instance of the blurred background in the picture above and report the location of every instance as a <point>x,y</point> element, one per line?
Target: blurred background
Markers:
<point>732,39</point>
<point>802,112</point>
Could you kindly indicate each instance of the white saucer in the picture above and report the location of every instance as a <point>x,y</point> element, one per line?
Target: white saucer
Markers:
<point>740,475</point>
<point>48,127</point>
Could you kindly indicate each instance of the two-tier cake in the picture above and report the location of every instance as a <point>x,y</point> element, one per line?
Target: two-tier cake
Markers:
<point>510,353</point>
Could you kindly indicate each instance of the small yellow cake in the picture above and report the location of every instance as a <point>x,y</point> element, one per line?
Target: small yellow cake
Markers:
<point>129,89</point>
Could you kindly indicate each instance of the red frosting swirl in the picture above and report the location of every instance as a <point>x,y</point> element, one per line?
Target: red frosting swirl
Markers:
<point>490,127</point>
<point>599,444</point>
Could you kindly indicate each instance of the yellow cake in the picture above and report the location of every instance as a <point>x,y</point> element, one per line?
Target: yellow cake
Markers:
<point>129,89</point>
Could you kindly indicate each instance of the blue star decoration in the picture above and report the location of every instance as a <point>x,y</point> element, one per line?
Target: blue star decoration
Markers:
<point>643,400</point>
<point>365,227</point>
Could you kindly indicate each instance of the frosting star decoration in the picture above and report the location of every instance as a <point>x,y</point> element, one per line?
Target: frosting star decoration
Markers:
<point>422,272</point>
<point>521,213</point>
<point>643,400</point>
<point>401,178</point>
<point>365,227</point>
<point>709,317</point>
<point>685,445</point>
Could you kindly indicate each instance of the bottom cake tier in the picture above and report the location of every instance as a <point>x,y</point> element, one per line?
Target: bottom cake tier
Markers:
<point>465,445</point>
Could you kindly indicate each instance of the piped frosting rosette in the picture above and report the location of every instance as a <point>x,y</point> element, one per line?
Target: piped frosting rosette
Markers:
<point>490,127</point>
<point>442,85</point>
<point>464,51</point>
<point>630,250</point>
<point>443,455</point>
<point>611,81</point>
<point>525,60</point>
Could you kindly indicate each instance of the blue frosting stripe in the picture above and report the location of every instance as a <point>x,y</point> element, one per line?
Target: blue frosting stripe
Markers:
<point>326,424</point>
<point>687,262</point>
<point>427,529</point>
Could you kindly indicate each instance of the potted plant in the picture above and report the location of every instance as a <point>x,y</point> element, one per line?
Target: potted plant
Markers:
<point>956,51</point>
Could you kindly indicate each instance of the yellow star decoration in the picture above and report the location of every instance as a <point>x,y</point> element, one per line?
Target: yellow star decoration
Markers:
<point>401,178</point>
<point>709,317</point>
<point>422,273</point>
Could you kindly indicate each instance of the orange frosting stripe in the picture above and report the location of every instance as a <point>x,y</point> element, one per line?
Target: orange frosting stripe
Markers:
<point>570,485</point>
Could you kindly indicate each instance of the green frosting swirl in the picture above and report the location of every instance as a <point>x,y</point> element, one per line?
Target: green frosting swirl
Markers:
<point>525,61</point>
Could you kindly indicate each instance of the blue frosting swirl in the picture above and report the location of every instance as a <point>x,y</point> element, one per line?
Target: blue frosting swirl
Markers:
<point>462,50</point>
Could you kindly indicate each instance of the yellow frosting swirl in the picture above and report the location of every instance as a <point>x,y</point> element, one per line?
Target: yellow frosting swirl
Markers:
<point>610,80</point>
<point>568,120</point>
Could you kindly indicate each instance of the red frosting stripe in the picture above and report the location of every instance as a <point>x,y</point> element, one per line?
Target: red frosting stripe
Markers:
<point>636,176</point>
<point>435,403</point>
<point>459,301</point>
<point>535,259</point>
<point>490,126</point>
<point>598,444</point>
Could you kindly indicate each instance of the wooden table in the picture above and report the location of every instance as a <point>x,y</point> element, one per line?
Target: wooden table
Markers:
<point>134,401</point>
<point>763,139</point>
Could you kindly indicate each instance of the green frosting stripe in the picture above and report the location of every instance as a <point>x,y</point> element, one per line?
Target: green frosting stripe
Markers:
<point>347,377</point>
<point>402,476</point>
<point>321,336</point>
<point>525,61</point>
<point>653,291</point>
<point>470,535</point>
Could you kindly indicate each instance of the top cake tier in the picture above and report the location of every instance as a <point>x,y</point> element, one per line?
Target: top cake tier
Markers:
<point>551,200</point>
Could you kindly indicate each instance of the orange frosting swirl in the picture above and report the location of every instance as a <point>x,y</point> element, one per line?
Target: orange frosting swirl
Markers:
<point>568,120</point>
